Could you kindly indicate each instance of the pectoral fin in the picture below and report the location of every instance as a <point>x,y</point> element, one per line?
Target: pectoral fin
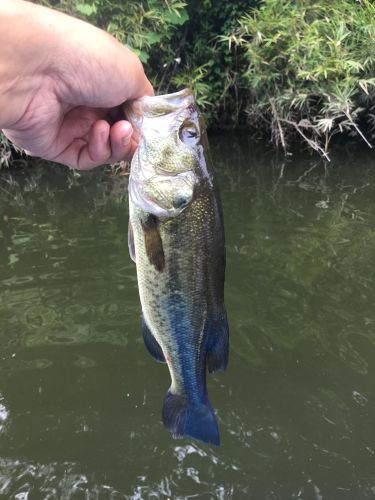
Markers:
<point>153,242</point>
<point>131,242</point>
<point>217,344</point>
<point>151,343</point>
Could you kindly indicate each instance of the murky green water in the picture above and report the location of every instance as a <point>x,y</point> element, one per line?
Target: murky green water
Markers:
<point>80,398</point>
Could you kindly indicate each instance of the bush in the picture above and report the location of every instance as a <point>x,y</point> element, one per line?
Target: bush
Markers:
<point>148,27</point>
<point>178,44</point>
<point>207,65</point>
<point>309,69</point>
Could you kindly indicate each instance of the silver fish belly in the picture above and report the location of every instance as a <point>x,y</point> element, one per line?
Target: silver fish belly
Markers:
<point>176,238</point>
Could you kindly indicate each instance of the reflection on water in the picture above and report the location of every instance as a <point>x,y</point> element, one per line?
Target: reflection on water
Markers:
<point>80,398</point>
<point>3,414</point>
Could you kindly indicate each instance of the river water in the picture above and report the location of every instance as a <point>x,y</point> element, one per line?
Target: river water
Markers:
<point>80,398</point>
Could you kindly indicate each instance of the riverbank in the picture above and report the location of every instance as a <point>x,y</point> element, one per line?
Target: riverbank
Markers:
<point>287,72</point>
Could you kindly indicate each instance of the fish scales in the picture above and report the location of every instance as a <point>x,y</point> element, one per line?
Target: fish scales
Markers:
<point>177,241</point>
<point>175,300</point>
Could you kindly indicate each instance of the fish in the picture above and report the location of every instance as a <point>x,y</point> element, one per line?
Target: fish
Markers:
<point>176,239</point>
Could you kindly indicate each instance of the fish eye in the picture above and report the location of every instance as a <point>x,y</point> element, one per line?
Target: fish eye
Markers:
<point>188,134</point>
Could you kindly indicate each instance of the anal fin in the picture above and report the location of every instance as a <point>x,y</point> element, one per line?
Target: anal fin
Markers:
<point>151,343</point>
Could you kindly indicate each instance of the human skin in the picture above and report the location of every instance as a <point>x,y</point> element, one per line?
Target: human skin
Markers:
<point>62,86</point>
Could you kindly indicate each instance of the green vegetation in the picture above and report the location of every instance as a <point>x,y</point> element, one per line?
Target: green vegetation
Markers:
<point>208,66</point>
<point>309,69</point>
<point>178,42</point>
<point>147,27</point>
<point>287,70</point>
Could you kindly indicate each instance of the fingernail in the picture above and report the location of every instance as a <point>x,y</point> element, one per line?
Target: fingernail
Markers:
<point>126,140</point>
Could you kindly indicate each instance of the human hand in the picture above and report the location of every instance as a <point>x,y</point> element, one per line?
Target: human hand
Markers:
<point>63,93</point>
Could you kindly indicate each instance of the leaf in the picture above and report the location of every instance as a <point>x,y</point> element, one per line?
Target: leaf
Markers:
<point>304,123</point>
<point>177,18</point>
<point>86,9</point>
<point>355,65</point>
<point>179,5</point>
<point>363,85</point>
<point>143,56</point>
<point>325,124</point>
<point>152,37</point>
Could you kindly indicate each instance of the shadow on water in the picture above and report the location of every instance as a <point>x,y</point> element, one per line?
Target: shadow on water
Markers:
<point>80,398</point>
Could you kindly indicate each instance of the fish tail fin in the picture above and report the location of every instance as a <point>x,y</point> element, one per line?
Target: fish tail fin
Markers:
<point>188,419</point>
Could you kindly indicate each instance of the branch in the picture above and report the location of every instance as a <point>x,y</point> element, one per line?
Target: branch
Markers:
<point>310,142</point>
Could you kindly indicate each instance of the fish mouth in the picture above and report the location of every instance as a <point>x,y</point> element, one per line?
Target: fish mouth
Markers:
<point>158,105</point>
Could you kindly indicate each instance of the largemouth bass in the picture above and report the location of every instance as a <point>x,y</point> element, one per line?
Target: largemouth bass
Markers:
<point>176,239</point>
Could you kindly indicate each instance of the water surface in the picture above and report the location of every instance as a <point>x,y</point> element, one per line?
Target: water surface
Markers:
<point>80,398</point>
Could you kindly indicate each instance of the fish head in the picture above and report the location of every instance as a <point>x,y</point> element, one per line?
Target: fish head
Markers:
<point>169,162</point>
